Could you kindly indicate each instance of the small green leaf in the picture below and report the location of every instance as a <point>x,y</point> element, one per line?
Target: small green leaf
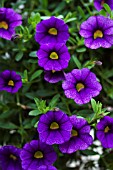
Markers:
<point>77,62</point>
<point>102,12</point>
<point>36,74</point>
<point>33,54</point>
<point>35,125</point>
<point>81,50</point>
<point>71,19</point>
<point>81,11</point>
<point>8,125</point>
<point>19,56</point>
<point>107,8</point>
<point>25,77</point>
<point>34,112</point>
<point>94,105</point>
<point>54,100</point>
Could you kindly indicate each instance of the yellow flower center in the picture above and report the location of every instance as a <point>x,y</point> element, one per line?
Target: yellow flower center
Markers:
<point>53,71</point>
<point>4,25</point>
<point>54,126</point>
<point>52,31</point>
<point>79,87</point>
<point>13,157</point>
<point>53,56</point>
<point>38,155</point>
<point>74,133</point>
<point>106,130</point>
<point>11,83</point>
<point>98,34</point>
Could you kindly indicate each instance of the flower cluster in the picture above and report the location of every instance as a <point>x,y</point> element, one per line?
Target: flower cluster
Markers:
<point>9,20</point>
<point>53,54</point>
<point>56,127</point>
<point>71,133</point>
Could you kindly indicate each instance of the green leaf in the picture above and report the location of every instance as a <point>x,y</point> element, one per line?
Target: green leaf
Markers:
<point>89,152</point>
<point>81,11</point>
<point>77,62</point>
<point>19,56</point>
<point>85,113</point>
<point>33,54</point>
<point>36,74</point>
<point>54,100</point>
<point>25,77</point>
<point>107,8</point>
<point>34,112</point>
<point>35,125</point>
<point>6,114</point>
<point>34,19</point>
<point>102,12</point>
<point>8,125</point>
<point>81,50</point>
<point>94,105</point>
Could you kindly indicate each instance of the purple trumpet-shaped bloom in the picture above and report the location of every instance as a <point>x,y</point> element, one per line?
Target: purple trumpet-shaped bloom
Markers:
<point>105,131</point>
<point>98,4</point>
<point>81,85</point>
<point>10,81</point>
<point>36,154</point>
<point>52,30</point>
<point>9,19</point>
<point>10,158</point>
<point>45,167</point>
<point>54,127</point>
<point>98,32</point>
<point>80,137</point>
<point>53,56</point>
<point>53,76</point>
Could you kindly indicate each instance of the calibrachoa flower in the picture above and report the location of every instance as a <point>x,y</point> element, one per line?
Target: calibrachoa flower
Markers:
<point>10,158</point>
<point>53,76</point>
<point>54,127</point>
<point>53,56</point>
<point>9,19</point>
<point>44,167</point>
<point>99,4</point>
<point>81,85</point>
<point>36,154</point>
<point>80,137</point>
<point>52,30</point>
<point>98,32</point>
<point>105,131</point>
<point>10,81</point>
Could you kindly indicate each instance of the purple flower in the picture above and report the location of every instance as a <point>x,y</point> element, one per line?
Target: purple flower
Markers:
<point>98,32</point>
<point>54,127</point>
<point>52,30</point>
<point>36,154</point>
<point>105,131</point>
<point>81,85</point>
<point>99,4</point>
<point>53,56</point>
<point>9,19</point>
<point>80,137</point>
<point>45,167</point>
<point>54,76</point>
<point>10,158</point>
<point>10,81</point>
